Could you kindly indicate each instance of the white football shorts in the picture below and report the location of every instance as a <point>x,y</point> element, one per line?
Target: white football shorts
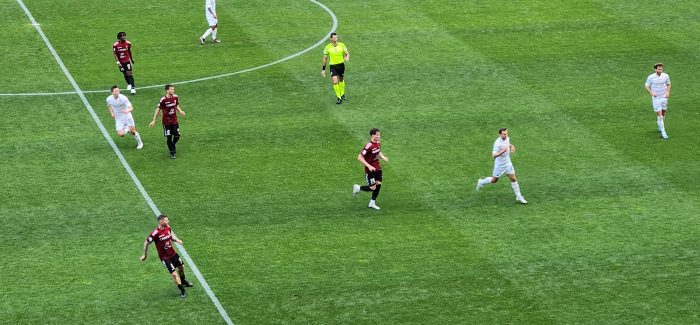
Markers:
<point>124,123</point>
<point>499,170</point>
<point>212,21</point>
<point>659,103</point>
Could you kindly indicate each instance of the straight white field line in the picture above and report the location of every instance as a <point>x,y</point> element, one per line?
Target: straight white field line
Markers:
<point>323,40</point>
<point>145,195</point>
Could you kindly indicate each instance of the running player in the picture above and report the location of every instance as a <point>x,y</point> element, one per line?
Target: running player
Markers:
<point>120,108</point>
<point>502,165</point>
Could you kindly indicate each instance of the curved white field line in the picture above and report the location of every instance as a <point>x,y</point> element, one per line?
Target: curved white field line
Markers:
<point>120,156</point>
<point>320,42</point>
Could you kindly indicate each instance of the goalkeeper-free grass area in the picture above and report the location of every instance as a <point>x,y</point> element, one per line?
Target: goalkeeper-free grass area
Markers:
<point>261,190</point>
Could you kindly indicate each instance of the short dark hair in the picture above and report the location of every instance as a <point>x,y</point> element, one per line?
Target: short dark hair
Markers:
<point>113,87</point>
<point>501,130</point>
<point>120,34</point>
<point>373,131</point>
<point>168,86</point>
<point>658,65</point>
<point>333,34</point>
<point>161,217</point>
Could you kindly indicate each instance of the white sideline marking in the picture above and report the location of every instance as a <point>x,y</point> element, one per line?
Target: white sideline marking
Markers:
<point>145,195</point>
<point>323,40</point>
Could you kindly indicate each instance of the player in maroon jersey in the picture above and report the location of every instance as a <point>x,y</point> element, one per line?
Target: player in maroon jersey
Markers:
<point>369,157</point>
<point>125,60</point>
<point>170,106</point>
<point>162,236</point>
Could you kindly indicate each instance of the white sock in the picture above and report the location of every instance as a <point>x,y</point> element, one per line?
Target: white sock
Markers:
<point>137,136</point>
<point>371,202</point>
<point>207,33</point>
<point>516,188</point>
<point>660,122</point>
<point>213,33</point>
<point>485,181</point>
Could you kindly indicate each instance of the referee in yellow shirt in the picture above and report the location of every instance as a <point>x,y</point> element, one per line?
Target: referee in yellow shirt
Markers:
<point>338,54</point>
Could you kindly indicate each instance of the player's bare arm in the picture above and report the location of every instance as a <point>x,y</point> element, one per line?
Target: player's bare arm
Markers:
<point>175,239</point>
<point>651,92</point>
<point>323,70</point>
<point>145,251</point>
<point>155,115</point>
<point>383,157</point>
<point>180,110</point>
<point>364,162</point>
<point>668,91</point>
<point>347,55</point>
<point>111,110</point>
<point>116,57</point>
<point>512,148</point>
<point>128,109</point>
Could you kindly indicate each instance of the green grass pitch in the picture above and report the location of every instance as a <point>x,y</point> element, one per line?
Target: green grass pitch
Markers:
<point>261,189</point>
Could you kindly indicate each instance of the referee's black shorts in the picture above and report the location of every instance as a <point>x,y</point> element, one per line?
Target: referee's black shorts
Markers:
<point>338,69</point>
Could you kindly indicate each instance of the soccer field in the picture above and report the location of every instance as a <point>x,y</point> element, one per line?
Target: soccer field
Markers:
<point>260,191</point>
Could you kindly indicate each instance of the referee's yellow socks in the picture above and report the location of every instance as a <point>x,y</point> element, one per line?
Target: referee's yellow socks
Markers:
<point>342,88</point>
<point>336,88</point>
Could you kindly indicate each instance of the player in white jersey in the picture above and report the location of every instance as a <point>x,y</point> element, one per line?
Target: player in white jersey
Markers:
<point>658,85</point>
<point>120,108</point>
<point>213,20</point>
<point>502,149</point>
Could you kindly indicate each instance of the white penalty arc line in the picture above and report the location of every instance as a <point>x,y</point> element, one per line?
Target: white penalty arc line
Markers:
<point>131,173</point>
<point>320,42</point>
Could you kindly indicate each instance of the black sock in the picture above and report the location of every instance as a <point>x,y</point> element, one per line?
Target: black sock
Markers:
<point>171,145</point>
<point>182,277</point>
<point>365,188</point>
<point>375,193</point>
<point>176,138</point>
<point>131,81</point>
<point>126,78</point>
<point>181,287</point>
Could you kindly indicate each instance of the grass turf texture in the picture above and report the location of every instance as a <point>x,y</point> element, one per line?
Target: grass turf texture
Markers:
<point>260,189</point>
